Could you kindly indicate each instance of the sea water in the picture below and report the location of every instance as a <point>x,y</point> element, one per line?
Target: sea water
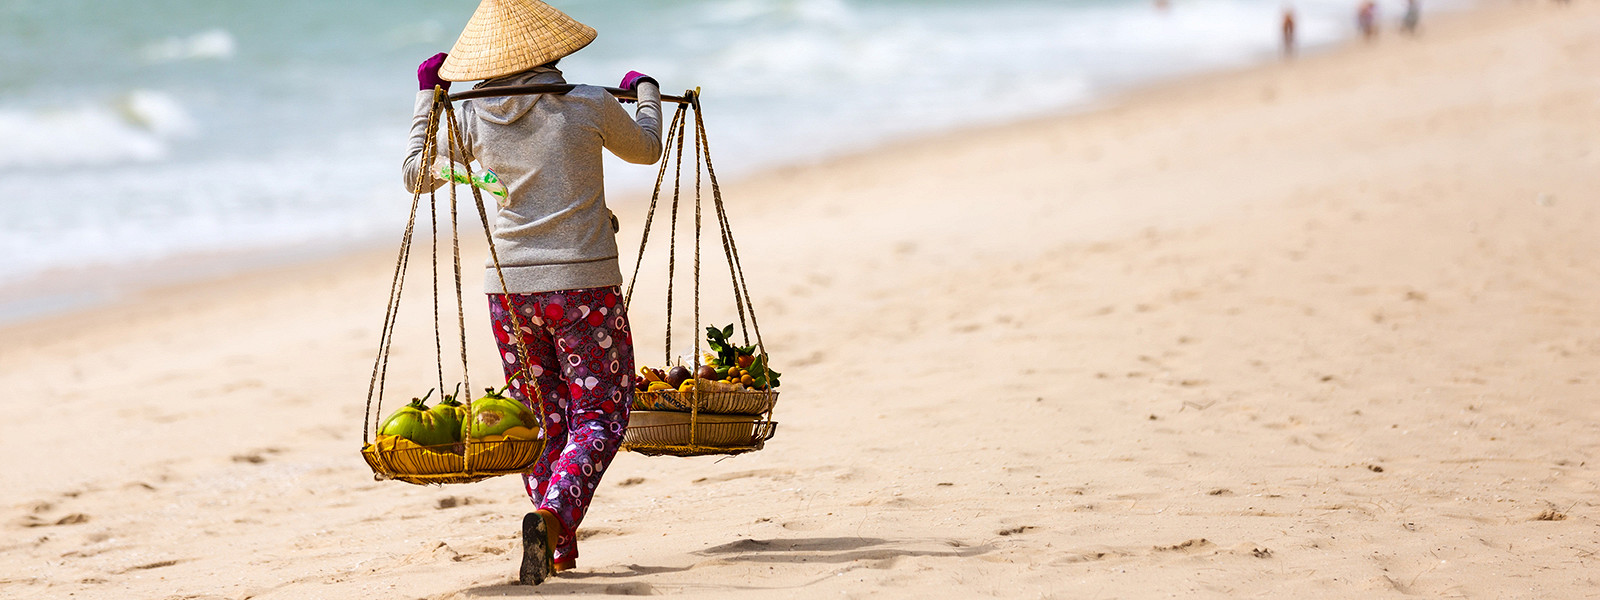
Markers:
<point>134,131</point>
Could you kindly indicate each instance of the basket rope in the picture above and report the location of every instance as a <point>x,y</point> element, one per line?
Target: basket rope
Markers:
<point>433,246</point>
<point>461,321</point>
<point>380,366</point>
<point>694,412</point>
<point>672,244</point>
<point>655,196</point>
<point>731,250</point>
<point>676,133</point>
<point>443,110</point>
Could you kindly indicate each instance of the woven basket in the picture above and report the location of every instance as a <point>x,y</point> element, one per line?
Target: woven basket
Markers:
<point>400,459</point>
<point>752,403</point>
<point>656,433</point>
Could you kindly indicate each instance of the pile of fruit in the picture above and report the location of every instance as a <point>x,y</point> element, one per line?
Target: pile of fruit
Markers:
<point>492,418</point>
<point>729,368</point>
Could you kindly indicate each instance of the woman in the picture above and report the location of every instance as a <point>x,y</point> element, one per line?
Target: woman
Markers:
<point>556,246</point>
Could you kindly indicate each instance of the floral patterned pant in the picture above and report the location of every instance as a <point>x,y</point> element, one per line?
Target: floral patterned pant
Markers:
<point>581,354</point>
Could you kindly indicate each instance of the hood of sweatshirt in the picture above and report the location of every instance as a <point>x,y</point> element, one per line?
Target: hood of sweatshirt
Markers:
<point>505,110</point>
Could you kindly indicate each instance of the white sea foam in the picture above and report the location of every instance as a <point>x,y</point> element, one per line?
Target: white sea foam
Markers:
<point>82,136</point>
<point>113,215</point>
<point>158,113</point>
<point>215,44</point>
<point>136,127</point>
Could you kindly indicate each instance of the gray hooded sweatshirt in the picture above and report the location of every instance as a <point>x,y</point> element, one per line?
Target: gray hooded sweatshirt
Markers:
<point>553,231</point>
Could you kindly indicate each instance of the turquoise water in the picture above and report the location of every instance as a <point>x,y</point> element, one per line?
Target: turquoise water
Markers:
<point>141,130</point>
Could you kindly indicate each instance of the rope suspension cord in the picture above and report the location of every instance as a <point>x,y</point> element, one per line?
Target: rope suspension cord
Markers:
<point>727,250</point>
<point>694,410</point>
<point>442,110</point>
<point>649,215</point>
<point>456,156</point>
<point>676,134</point>
<point>735,266</point>
<point>461,317</point>
<point>438,340</point>
<point>380,364</point>
<point>672,242</point>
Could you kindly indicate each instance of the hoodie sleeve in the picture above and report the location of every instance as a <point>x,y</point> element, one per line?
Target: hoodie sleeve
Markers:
<point>636,139</point>
<point>413,169</point>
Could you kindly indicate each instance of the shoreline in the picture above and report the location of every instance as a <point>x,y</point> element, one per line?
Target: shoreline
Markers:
<point>1323,330</point>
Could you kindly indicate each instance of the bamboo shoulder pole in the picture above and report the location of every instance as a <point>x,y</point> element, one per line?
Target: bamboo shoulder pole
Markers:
<point>556,88</point>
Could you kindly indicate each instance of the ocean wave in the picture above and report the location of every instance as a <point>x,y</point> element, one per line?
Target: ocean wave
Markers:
<point>137,127</point>
<point>216,44</point>
<point>115,215</point>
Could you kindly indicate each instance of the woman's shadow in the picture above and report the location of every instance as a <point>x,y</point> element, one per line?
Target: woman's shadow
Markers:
<point>877,552</point>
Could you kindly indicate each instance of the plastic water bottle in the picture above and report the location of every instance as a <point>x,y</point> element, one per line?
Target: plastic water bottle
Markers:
<point>484,180</point>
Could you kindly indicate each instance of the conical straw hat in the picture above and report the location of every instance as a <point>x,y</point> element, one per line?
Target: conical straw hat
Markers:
<point>507,36</point>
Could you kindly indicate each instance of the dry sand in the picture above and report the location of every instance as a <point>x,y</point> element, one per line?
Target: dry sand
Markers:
<point>1325,329</point>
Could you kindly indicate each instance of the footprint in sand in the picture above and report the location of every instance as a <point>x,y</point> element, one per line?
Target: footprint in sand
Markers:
<point>802,525</point>
<point>37,521</point>
<point>1191,546</point>
<point>635,588</point>
<point>1079,556</point>
<point>432,553</point>
<point>151,565</point>
<point>255,457</point>
<point>597,532</point>
<point>453,501</point>
<point>1195,546</point>
<point>774,474</point>
<point>1009,531</point>
<point>1550,514</point>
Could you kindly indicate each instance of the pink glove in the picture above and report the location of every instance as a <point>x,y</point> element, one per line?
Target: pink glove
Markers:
<point>428,73</point>
<point>632,80</point>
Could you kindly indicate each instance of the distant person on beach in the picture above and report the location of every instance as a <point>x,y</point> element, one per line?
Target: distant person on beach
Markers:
<point>1288,32</point>
<point>1408,23</point>
<point>555,241</point>
<point>1367,20</point>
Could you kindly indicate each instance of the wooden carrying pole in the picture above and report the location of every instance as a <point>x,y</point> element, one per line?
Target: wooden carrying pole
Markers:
<point>556,88</point>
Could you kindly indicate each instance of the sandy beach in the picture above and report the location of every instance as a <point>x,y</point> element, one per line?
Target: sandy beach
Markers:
<point>1322,329</point>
